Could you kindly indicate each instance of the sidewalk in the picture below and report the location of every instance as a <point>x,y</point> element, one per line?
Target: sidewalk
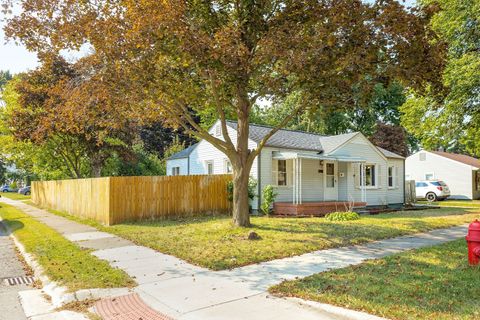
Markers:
<point>184,291</point>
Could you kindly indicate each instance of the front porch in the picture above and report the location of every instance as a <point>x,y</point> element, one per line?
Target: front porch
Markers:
<point>316,184</point>
<point>317,209</point>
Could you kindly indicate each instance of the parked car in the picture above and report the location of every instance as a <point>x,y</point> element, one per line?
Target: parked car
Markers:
<point>26,191</point>
<point>6,188</point>
<point>432,190</point>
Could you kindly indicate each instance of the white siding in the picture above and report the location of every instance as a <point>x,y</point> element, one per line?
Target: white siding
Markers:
<point>396,193</point>
<point>360,147</point>
<point>205,151</point>
<point>456,175</point>
<point>312,180</point>
<point>182,163</point>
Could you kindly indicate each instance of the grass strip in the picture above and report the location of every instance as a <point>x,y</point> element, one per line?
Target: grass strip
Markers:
<point>63,261</point>
<point>429,283</point>
<point>15,196</point>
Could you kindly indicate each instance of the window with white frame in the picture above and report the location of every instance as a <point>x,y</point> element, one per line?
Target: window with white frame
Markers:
<point>209,166</point>
<point>228,166</point>
<point>391,176</point>
<point>429,176</point>
<point>370,177</point>
<point>218,130</point>
<point>175,171</point>
<point>422,156</point>
<point>282,173</point>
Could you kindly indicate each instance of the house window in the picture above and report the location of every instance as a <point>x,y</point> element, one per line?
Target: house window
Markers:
<point>429,176</point>
<point>370,179</point>
<point>422,156</point>
<point>391,172</point>
<point>175,171</point>
<point>228,166</point>
<point>209,165</point>
<point>218,131</point>
<point>282,173</point>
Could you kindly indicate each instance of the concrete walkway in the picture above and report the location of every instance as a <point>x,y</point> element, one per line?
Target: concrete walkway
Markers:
<point>184,291</point>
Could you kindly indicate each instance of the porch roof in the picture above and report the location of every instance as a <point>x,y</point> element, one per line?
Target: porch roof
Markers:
<point>286,155</point>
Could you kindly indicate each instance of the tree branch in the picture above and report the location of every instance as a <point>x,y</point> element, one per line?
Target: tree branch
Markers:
<point>264,140</point>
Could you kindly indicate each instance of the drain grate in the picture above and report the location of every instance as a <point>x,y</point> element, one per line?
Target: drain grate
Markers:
<point>15,281</point>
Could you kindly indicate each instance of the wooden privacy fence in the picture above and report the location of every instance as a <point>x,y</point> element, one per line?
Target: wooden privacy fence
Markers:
<point>117,199</point>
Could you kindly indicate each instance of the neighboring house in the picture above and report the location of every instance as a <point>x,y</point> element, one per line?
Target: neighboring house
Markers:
<point>458,171</point>
<point>307,169</point>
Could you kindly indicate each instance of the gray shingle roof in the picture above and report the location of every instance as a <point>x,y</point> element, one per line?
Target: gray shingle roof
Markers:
<point>390,154</point>
<point>293,139</point>
<point>284,138</point>
<point>184,153</point>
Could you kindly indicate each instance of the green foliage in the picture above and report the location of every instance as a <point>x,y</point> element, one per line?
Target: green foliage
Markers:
<point>252,189</point>
<point>449,117</point>
<point>13,185</point>
<point>268,198</point>
<point>342,216</point>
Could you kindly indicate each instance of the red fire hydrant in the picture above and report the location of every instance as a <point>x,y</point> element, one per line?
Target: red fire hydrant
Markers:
<point>473,241</point>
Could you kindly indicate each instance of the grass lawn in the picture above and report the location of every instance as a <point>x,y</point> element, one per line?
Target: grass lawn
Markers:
<point>63,261</point>
<point>454,203</point>
<point>14,196</point>
<point>214,243</point>
<point>430,283</point>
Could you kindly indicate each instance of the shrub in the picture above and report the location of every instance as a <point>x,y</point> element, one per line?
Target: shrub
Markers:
<point>268,196</point>
<point>252,188</point>
<point>342,216</point>
<point>13,185</point>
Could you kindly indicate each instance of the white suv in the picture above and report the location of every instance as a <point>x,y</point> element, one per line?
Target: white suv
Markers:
<point>432,190</point>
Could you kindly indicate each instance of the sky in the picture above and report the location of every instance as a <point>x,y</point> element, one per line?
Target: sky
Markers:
<point>17,58</point>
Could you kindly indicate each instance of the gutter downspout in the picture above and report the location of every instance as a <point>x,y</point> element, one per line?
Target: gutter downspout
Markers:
<point>259,178</point>
<point>188,165</point>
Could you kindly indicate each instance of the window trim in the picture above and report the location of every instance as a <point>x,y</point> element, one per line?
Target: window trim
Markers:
<point>375,178</point>
<point>429,173</point>
<point>175,171</point>
<point>278,173</point>
<point>207,163</point>
<point>393,176</point>
<point>226,164</point>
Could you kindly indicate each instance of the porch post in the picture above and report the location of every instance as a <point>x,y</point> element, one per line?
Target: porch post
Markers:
<point>294,184</point>
<point>300,175</point>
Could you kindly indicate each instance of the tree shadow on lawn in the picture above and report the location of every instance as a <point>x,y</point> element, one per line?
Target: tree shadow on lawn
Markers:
<point>420,284</point>
<point>7,227</point>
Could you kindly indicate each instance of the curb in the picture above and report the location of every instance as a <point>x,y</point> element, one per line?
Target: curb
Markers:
<point>59,295</point>
<point>337,311</point>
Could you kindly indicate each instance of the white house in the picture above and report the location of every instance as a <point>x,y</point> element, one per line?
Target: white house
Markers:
<point>306,168</point>
<point>458,171</point>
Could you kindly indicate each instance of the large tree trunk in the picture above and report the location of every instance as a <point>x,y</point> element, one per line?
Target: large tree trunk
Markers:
<point>241,168</point>
<point>241,207</point>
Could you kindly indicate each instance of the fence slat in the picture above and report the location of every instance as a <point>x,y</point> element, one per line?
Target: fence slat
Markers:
<point>114,200</point>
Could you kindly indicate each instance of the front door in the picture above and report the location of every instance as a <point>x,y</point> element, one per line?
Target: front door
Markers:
<point>331,185</point>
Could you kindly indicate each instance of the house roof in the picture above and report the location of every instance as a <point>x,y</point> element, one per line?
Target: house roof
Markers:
<point>471,161</point>
<point>284,138</point>
<point>390,154</point>
<point>184,153</point>
<point>293,139</point>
